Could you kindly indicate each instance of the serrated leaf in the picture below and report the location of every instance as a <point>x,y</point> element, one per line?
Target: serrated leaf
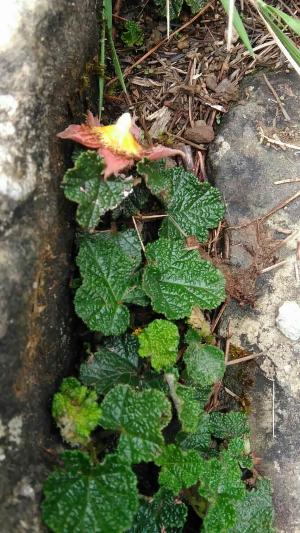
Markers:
<point>196,5</point>
<point>255,513</point>
<point>176,279</point>
<point>175,7</point>
<point>204,363</point>
<point>84,185</point>
<point>76,411</point>
<point>200,439</point>
<point>127,240</point>
<point>140,417</point>
<point>189,408</point>
<point>158,179</point>
<point>220,516</point>
<point>180,468</point>
<point>133,204</point>
<point>194,207</point>
<point>133,36</point>
<point>82,497</point>
<point>108,277</point>
<point>162,513</point>
<point>159,341</point>
<point>229,425</point>
<point>117,362</point>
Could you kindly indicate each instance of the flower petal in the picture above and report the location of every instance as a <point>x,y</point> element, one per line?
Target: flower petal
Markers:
<point>91,120</point>
<point>114,163</point>
<point>82,134</point>
<point>160,152</point>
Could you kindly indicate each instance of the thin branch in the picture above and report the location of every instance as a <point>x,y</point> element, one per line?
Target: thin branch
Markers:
<point>138,234</point>
<point>243,359</point>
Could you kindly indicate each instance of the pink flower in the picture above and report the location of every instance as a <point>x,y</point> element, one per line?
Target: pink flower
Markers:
<point>118,144</point>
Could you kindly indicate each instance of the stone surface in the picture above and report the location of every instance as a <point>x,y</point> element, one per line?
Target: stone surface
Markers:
<point>200,134</point>
<point>44,47</point>
<point>245,170</point>
<point>288,320</point>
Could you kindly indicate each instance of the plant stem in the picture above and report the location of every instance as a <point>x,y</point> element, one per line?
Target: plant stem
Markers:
<point>102,63</point>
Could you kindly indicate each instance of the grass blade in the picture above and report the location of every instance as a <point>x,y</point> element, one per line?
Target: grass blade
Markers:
<point>239,26</point>
<point>292,22</point>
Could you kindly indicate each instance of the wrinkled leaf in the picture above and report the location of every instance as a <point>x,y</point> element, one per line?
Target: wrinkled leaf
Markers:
<point>196,5</point>
<point>84,185</point>
<point>139,417</point>
<point>176,279</point>
<point>108,278</point>
<point>133,204</point>
<point>159,341</point>
<point>81,498</point>
<point>76,411</point>
<point>175,7</point>
<point>162,513</point>
<point>229,425</point>
<point>204,363</point>
<point>200,440</point>
<point>255,513</point>
<point>194,207</point>
<point>117,362</point>
<point>180,469</point>
<point>158,179</point>
<point>133,36</point>
<point>189,408</point>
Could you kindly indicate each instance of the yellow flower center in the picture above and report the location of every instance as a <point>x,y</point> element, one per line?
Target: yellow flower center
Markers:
<point>118,136</point>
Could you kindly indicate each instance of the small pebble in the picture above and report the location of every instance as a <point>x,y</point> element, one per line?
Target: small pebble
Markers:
<point>288,320</point>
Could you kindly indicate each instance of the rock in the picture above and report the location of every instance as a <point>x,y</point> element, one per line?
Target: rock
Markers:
<point>200,134</point>
<point>245,171</point>
<point>44,49</point>
<point>288,320</point>
<point>227,90</point>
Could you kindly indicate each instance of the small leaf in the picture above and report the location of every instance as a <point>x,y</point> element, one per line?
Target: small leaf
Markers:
<point>140,417</point>
<point>133,204</point>
<point>175,7</point>
<point>176,279</point>
<point>133,36</point>
<point>107,268</point>
<point>159,341</point>
<point>228,425</point>
<point>158,178</point>
<point>189,408</point>
<point>83,498</point>
<point>117,362</point>
<point>84,184</point>
<point>180,469</point>
<point>162,513</point>
<point>196,5</point>
<point>239,26</point>
<point>205,364</point>
<point>76,412</point>
<point>255,513</point>
<point>200,440</point>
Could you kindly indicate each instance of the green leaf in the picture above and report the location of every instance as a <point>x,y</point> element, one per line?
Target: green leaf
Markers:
<point>76,412</point>
<point>133,204</point>
<point>176,279</point>
<point>229,425</point>
<point>162,513</point>
<point>255,513</point>
<point>158,179</point>
<point>83,498</point>
<point>127,240</point>
<point>189,408</point>
<point>292,22</point>
<point>117,362</point>
<point>221,515</point>
<point>195,207</point>
<point>175,7</point>
<point>192,206</point>
<point>140,417</point>
<point>84,185</point>
<point>200,440</point>
<point>196,5</point>
<point>133,36</point>
<point>159,341</point>
<point>108,276</point>
<point>180,469</point>
<point>239,26</point>
<point>204,363</point>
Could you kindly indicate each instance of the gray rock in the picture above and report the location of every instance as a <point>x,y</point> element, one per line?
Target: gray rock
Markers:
<point>245,170</point>
<point>44,48</point>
